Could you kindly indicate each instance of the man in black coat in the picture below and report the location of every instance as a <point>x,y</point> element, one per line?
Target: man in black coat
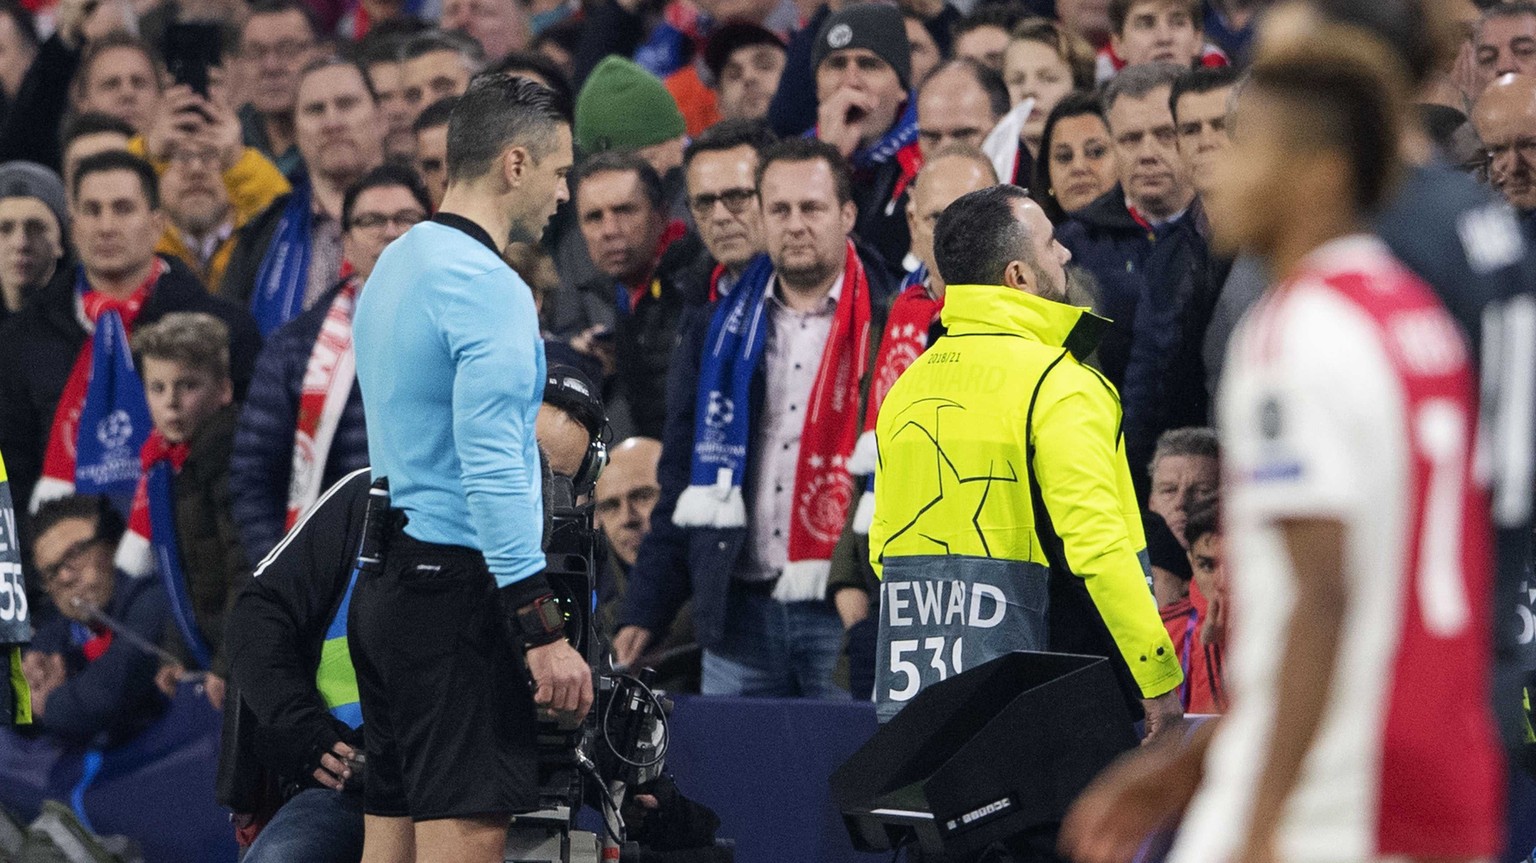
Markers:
<point>115,225</point>
<point>1115,237</point>
<point>628,315</point>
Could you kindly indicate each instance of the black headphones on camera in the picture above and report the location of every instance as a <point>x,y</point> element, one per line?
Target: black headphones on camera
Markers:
<point>569,390</point>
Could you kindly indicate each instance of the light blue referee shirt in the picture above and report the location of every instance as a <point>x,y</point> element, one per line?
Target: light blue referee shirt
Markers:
<point>451,367</point>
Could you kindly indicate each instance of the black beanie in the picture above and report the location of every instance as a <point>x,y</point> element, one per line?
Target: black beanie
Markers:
<point>874,26</point>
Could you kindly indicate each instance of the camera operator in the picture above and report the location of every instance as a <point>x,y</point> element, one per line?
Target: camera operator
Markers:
<point>289,660</point>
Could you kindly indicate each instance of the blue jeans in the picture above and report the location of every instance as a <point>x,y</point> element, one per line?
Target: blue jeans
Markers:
<point>774,649</point>
<point>317,825</point>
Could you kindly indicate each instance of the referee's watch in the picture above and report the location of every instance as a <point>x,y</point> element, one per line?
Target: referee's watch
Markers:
<point>541,622</point>
<point>530,612</point>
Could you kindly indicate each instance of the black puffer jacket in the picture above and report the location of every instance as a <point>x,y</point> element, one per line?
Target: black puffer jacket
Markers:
<point>643,340</point>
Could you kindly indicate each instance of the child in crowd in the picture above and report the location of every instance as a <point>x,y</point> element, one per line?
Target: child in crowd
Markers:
<point>181,525</point>
<point>1203,666</point>
<point>1187,608</point>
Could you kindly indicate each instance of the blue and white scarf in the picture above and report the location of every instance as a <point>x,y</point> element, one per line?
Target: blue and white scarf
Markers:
<point>283,277</point>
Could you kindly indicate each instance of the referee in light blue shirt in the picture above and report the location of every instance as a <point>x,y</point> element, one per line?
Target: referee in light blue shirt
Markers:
<point>452,372</point>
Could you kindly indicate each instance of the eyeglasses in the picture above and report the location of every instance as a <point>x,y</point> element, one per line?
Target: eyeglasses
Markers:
<point>375,221</point>
<point>735,201</point>
<point>74,560</point>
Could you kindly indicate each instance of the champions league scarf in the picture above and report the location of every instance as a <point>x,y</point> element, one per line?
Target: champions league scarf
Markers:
<point>905,339</point>
<point>328,380</point>
<point>151,543</point>
<point>899,143</point>
<point>102,418</point>
<point>284,272</point>
<point>738,333</point>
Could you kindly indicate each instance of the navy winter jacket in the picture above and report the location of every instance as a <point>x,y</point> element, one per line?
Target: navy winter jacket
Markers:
<point>114,696</point>
<point>1108,242</point>
<point>1165,376</point>
<point>262,463</point>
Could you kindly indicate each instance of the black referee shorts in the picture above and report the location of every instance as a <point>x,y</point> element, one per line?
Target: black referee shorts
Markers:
<point>448,719</point>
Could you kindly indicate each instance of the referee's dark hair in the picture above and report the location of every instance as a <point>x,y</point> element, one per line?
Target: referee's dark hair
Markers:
<point>497,112</point>
<point>979,235</point>
<point>541,69</point>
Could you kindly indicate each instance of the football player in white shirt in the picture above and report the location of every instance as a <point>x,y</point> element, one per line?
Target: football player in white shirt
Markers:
<point>1359,543</point>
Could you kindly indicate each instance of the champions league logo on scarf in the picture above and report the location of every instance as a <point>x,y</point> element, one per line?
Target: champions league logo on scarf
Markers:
<point>115,431</point>
<point>114,420</point>
<point>719,416</point>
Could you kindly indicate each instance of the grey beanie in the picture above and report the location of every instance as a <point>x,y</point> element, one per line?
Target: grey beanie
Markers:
<point>874,26</point>
<point>20,179</point>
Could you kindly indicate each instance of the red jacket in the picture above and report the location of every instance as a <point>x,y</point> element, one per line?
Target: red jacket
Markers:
<point>1203,690</point>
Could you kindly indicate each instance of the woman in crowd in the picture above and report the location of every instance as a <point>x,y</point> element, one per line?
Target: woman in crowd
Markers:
<point>1076,164</point>
<point>1044,61</point>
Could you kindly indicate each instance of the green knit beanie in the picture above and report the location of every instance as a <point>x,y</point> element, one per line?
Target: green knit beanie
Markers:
<point>624,107</point>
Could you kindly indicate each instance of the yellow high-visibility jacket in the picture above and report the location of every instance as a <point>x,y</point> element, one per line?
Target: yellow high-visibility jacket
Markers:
<point>15,627</point>
<point>1005,518</point>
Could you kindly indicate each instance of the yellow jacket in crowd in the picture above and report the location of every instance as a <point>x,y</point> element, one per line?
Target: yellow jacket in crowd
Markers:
<point>1005,518</point>
<point>253,183</point>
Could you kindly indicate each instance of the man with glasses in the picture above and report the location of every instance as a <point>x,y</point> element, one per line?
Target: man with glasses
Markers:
<point>720,167</point>
<point>211,183</point>
<point>278,40</point>
<point>626,494</point>
<point>87,680</point>
<point>1505,118</point>
<point>627,317</point>
<point>302,427</point>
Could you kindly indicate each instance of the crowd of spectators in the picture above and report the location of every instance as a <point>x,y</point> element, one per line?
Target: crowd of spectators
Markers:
<point>178,269</point>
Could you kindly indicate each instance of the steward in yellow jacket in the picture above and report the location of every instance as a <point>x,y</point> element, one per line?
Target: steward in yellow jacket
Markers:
<point>1005,518</point>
